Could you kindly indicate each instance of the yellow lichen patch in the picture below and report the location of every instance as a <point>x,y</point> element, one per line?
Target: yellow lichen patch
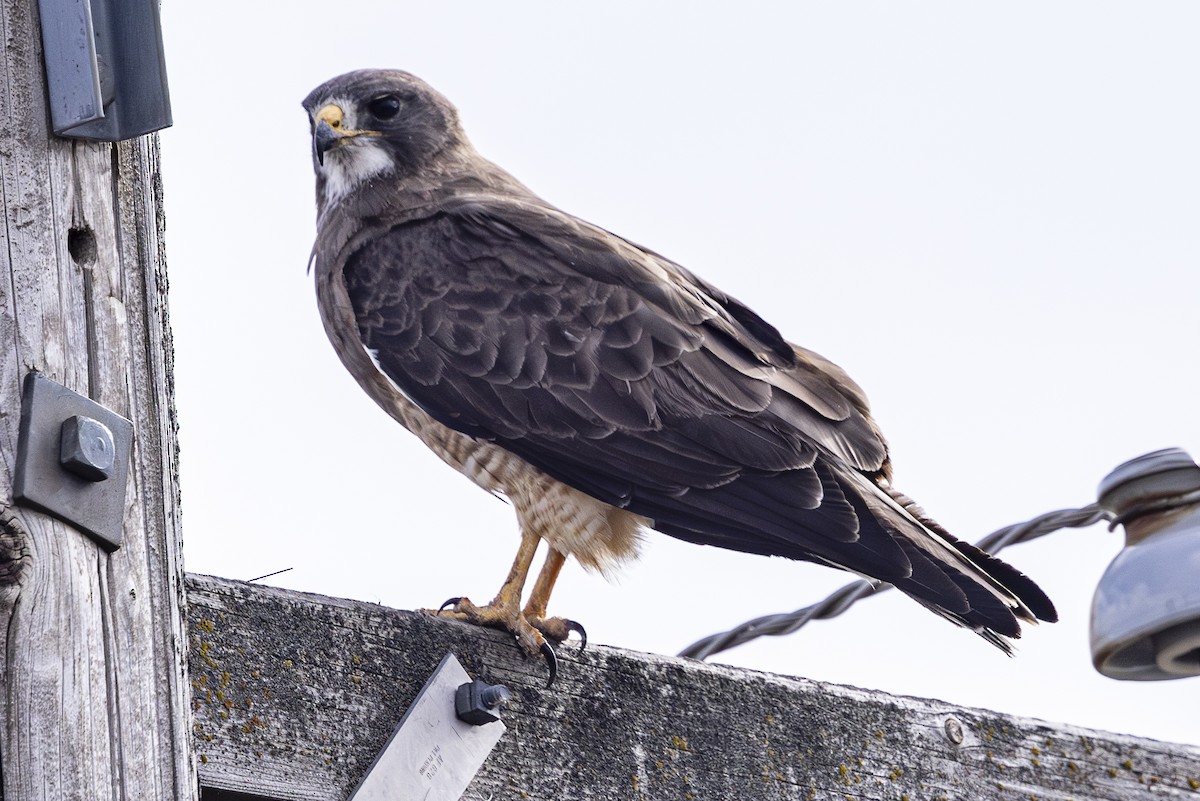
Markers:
<point>206,625</point>
<point>679,743</point>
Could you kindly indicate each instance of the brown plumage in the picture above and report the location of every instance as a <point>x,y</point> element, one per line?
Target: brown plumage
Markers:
<point>599,386</point>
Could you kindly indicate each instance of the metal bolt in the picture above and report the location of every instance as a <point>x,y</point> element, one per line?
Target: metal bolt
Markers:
<point>954,731</point>
<point>86,448</point>
<point>478,702</point>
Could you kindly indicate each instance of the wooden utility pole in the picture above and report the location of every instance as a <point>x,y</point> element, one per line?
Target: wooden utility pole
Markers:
<point>93,690</point>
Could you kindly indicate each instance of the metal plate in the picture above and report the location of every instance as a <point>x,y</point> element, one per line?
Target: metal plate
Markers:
<point>97,508</point>
<point>432,756</point>
<point>105,68</point>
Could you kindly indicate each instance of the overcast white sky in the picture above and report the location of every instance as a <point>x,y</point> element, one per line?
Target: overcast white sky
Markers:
<point>988,214</point>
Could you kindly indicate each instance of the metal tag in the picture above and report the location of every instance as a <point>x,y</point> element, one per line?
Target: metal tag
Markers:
<point>432,756</point>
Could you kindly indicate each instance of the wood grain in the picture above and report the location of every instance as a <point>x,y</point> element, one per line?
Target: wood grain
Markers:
<point>294,694</point>
<point>93,670</point>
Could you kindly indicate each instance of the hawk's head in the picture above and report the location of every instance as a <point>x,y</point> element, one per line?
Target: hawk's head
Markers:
<point>374,123</point>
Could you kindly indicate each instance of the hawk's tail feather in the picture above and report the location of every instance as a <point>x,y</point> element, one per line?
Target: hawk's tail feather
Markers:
<point>1016,582</point>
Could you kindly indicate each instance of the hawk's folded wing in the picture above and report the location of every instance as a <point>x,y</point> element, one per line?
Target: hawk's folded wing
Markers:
<point>619,373</point>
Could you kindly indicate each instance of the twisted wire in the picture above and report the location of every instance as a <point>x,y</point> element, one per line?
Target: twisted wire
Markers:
<point>841,600</point>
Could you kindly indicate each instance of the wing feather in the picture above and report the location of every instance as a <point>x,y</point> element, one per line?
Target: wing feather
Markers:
<point>621,374</point>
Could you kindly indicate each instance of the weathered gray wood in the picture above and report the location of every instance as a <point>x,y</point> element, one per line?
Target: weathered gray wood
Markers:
<point>294,694</point>
<point>92,668</point>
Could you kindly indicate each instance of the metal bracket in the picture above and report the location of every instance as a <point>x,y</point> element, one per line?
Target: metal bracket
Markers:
<point>73,459</point>
<point>105,68</point>
<point>433,754</point>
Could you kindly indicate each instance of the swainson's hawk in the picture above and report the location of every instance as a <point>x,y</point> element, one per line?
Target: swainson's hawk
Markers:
<point>600,387</point>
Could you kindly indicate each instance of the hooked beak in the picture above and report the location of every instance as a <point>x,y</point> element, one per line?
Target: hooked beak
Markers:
<point>324,137</point>
<point>330,130</point>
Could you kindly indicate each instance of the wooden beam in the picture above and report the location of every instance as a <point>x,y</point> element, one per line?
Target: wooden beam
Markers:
<point>295,694</point>
<point>94,694</point>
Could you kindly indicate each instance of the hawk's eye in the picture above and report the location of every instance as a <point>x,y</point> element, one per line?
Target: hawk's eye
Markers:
<point>384,108</point>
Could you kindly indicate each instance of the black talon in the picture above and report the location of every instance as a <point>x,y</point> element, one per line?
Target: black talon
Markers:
<point>451,602</point>
<point>581,631</point>
<point>551,662</point>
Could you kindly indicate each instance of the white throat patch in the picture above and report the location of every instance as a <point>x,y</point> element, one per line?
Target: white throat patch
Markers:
<point>352,163</point>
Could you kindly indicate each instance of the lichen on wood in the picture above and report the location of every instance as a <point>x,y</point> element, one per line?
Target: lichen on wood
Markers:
<point>295,694</point>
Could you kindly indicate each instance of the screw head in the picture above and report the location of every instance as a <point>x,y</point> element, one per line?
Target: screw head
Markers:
<point>954,731</point>
<point>87,448</point>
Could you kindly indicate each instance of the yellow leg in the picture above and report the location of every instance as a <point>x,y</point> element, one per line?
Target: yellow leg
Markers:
<point>509,596</point>
<point>554,628</point>
<point>504,612</point>
<point>531,627</point>
<point>540,597</point>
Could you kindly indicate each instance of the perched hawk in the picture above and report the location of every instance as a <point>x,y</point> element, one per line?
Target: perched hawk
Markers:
<point>600,387</point>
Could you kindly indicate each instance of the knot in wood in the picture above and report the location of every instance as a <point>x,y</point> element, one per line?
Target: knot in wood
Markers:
<point>15,555</point>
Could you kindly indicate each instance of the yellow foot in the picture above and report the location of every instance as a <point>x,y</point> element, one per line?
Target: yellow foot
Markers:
<point>530,634</point>
<point>558,629</point>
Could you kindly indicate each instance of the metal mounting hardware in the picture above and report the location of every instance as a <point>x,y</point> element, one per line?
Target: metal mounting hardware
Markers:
<point>105,68</point>
<point>478,702</point>
<point>73,459</point>
<point>432,755</point>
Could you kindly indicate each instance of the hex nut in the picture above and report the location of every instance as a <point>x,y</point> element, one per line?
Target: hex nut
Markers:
<point>478,702</point>
<point>86,448</point>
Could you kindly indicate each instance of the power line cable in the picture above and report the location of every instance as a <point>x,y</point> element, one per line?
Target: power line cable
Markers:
<point>839,601</point>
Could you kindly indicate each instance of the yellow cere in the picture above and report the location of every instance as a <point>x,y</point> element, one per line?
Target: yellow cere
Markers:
<point>331,114</point>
